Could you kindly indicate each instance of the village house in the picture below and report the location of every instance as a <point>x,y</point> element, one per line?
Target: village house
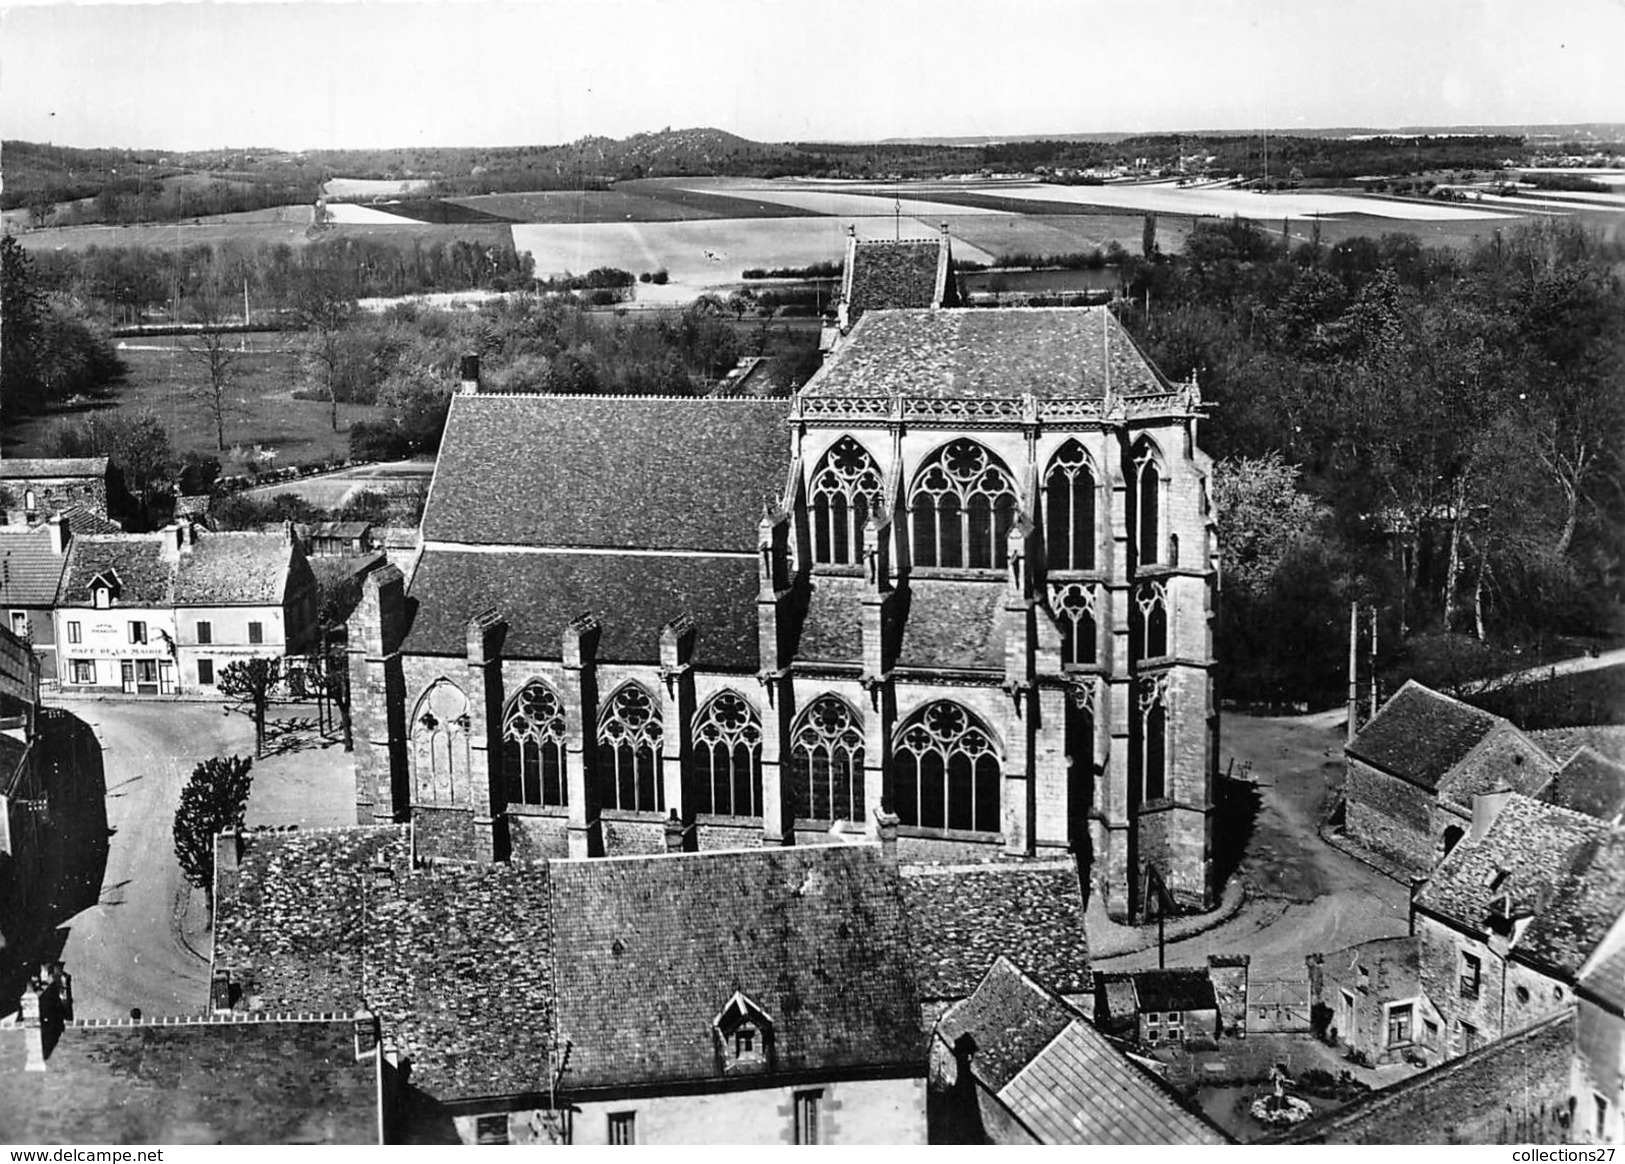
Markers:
<point>32,489</point>
<point>979,592</point>
<point>654,999</point>
<point>1368,998</point>
<point>1169,1007</point>
<point>1413,772</point>
<point>1015,1064</point>
<point>164,613</point>
<point>1600,1106</point>
<point>1508,922</point>
<point>195,1079</point>
<point>32,561</point>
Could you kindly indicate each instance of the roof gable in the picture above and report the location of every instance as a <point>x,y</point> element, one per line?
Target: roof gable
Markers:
<point>885,274</point>
<point>1419,735</point>
<point>1010,1018</point>
<point>597,472</point>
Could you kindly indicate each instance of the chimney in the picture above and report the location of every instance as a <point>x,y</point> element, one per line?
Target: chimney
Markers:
<point>674,833</point>
<point>366,1033</point>
<point>33,1031</point>
<point>886,823</point>
<point>1486,807</point>
<point>173,537</point>
<point>60,534</point>
<point>220,992</point>
<point>471,374</point>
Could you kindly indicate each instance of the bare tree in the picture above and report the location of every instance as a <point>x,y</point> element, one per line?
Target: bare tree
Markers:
<point>210,346</point>
<point>325,305</point>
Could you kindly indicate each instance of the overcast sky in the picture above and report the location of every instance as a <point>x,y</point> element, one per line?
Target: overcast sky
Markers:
<point>377,73</point>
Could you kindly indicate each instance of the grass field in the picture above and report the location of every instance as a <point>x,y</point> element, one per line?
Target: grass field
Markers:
<point>163,236</point>
<point>569,206</point>
<point>264,411</point>
<point>372,187</point>
<point>1060,234</point>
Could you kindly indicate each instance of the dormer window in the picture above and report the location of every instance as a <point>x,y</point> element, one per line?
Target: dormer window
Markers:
<point>744,1035</point>
<point>104,590</point>
<point>103,597</point>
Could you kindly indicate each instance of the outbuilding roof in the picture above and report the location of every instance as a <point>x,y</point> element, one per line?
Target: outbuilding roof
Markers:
<point>1419,735</point>
<point>1588,783</point>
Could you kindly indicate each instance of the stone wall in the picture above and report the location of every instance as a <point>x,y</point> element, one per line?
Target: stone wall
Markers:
<point>1389,816</point>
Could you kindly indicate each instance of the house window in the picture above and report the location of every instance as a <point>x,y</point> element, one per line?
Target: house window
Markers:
<point>1069,510</point>
<point>1471,1040</point>
<point>205,633</point>
<point>19,623</point>
<point>749,1045</point>
<point>623,1127</point>
<point>726,758</point>
<point>30,501</point>
<point>1430,1032</point>
<point>947,770</point>
<point>807,1105</point>
<point>84,670</point>
<point>1522,993</point>
<point>102,597</point>
<point>1399,1025</point>
<point>1074,607</point>
<point>629,739</point>
<point>73,631</point>
<point>533,747</point>
<point>138,632</point>
<point>205,672</point>
<point>491,1129</point>
<point>1173,1027</point>
<point>845,492</point>
<point>256,632</point>
<point>1153,1026</point>
<point>1471,974</point>
<point>826,762</point>
<point>962,507</point>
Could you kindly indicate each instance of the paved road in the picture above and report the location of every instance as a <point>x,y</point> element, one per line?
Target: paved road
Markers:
<point>145,943</point>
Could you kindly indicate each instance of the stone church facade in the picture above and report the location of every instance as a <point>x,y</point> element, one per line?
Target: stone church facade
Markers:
<point>966,578</point>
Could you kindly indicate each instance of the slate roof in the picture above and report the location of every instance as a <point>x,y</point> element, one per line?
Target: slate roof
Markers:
<point>292,921</point>
<point>459,972</point>
<point>1536,845</point>
<point>887,274</point>
<point>234,569</point>
<point>29,572</point>
<point>1419,735</point>
<point>41,468</point>
<point>608,472</point>
<point>1082,1090</point>
<point>1607,740</point>
<point>146,573</point>
<point>1589,899</point>
<point>1051,352</point>
<point>1174,989</point>
<point>962,917</point>
<point>1011,1019</point>
<point>84,520</point>
<point>649,950</point>
<point>1606,980</point>
<point>633,596</point>
<point>1424,1108</point>
<point>192,1082</point>
<point>1588,783</point>
<point>832,628</point>
<point>952,625</point>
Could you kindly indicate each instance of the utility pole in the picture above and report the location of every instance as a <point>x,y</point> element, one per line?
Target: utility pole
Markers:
<point>1354,675</point>
<point>1373,662</point>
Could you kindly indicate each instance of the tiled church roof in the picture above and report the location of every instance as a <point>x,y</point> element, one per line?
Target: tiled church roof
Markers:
<point>832,629</point>
<point>1051,352</point>
<point>953,626</point>
<point>632,595</point>
<point>608,472</point>
<point>889,274</point>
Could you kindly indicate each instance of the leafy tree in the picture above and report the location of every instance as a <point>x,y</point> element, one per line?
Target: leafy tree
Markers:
<point>251,683</point>
<point>214,800</point>
<point>22,309</point>
<point>1262,515</point>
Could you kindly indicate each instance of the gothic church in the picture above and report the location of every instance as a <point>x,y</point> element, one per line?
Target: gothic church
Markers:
<point>966,578</point>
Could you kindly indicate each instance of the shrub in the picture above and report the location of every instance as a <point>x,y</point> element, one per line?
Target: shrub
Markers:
<point>660,277</point>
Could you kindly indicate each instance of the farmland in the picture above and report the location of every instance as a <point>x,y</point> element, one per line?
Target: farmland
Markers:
<point>166,236</point>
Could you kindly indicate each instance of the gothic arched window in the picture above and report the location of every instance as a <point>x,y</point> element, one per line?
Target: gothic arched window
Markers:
<point>1153,713</point>
<point>845,491</point>
<point>946,771</point>
<point>1147,504</point>
<point>1069,510</point>
<point>962,505</point>
<point>826,762</point>
<point>533,747</point>
<point>1149,622</point>
<point>441,724</point>
<point>727,757</point>
<point>629,752</point>
<point>1074,607</point>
